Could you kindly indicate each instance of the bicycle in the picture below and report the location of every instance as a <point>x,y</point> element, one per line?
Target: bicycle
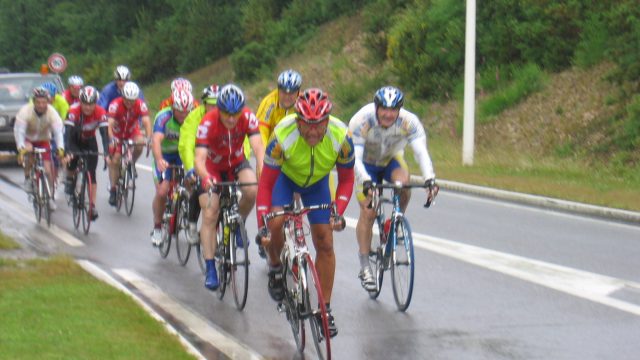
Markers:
<point>80,199</point>
<point>393,249</point>
<point>232,254</point>
<point>40,195</point>
<point>126,184</point>
<point>303,298</point>
<point>174,218</point>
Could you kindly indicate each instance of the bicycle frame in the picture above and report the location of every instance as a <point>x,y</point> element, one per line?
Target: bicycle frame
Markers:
<point>169,215</point>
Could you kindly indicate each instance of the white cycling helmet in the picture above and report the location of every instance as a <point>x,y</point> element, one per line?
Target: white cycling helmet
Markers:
<point>75,80</point>
<point>122,73</point>
<point>182,100</point>
<point>130,91</point>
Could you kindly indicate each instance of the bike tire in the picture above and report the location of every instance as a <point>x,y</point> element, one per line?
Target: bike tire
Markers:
<point>85,204</point>
<point>75,203</point>
<point>316,310</point>
<point>181,228</point>
<point>221,257</point>
<point>402,264</point>
<point>130,185</point>
<point>37,201</point>
<point>165,230</point>
<point>294,303</point>
<point>45,197</point>
<point>239,264</point>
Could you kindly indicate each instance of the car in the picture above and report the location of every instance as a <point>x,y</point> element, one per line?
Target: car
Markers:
<point>15,91</point>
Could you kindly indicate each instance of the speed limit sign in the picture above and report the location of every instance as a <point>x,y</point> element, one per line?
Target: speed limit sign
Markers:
<point>57,62</point>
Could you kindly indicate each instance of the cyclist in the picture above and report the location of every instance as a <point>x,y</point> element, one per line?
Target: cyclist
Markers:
<point>381,130</point>
<point>164,145</point>
<point>56,100</point>
<point>114,89</point>
<point>34,124</point>
<point>83,119</point>
<point>187,149</point>
<point>123,115</point>
<point>177,83</point>
<point>303,149</point>
<point>72,94</point>
<point>219,157</point>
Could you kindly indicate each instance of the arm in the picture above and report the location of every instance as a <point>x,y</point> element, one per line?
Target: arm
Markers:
<point>423,159</point>
<point>265,187</point>
<point>187,139</point>
<point>258,149</point>
<point>20,130</point>
<point>200,163</point>
<point>156,148</point>
<point>146,122</point>
<point>57,128</point>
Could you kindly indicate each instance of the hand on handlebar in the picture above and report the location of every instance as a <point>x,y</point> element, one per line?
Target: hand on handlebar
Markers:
<point>337,222</point>
<point>432,191</point>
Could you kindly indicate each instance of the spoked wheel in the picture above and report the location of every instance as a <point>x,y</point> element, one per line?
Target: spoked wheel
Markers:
<point>121,190</point>
<point>45,199</point>
<point>75,202</point>
<point>377,265</point>
<point>222,258</point>
<point>85,201</point>
<point>317,311</point>
<point>35,198</point>
<point>240,264</point>
<point>130,186</point>
<point>402,265</point>
<point>295,303</point>
<point>165,243</point>
<point>183,247</point>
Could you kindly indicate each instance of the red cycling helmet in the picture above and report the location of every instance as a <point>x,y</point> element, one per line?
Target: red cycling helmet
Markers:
<point>313,106</point>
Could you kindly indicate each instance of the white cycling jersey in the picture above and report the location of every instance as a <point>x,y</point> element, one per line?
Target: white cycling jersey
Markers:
<point>375,145</point>
<point>33,127</point>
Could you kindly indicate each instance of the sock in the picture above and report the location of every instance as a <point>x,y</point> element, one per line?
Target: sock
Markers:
<point>157,226</point>
<point>364,260</point>
<point>209,263</point>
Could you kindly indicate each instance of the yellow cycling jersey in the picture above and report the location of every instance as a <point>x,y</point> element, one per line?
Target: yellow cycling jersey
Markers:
<point>269,114</point>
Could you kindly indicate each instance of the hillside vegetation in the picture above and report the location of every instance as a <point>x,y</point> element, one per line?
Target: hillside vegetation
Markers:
<point>558,82</point>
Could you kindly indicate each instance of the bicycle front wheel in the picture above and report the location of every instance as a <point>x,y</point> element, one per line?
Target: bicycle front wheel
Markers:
<point>35,198</point>
<point>85,201</point>
<point>130,189</point>
<point>45,198</point>
<point>316,310</point>
<point>221,256</point>
<point>183,247</point>
<point>402,264</point>
<point>240,263</point>
<point>165,242</point>
<point>75,202</point>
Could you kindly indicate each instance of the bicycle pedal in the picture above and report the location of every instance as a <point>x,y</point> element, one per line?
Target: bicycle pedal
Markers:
<point>281,307</point>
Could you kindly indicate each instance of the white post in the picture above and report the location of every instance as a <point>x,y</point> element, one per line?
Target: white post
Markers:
<point>469,85</point>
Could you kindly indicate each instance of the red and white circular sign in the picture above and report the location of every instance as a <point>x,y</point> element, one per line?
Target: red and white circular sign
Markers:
<point>57,62</point>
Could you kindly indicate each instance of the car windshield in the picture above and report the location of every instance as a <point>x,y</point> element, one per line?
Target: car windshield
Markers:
<point>17,90</point>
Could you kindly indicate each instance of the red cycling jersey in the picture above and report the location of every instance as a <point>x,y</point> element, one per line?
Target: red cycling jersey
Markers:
<point>225,145</point>
<point>70,99</point>
<point>88,124</point>
<point>126,123</point>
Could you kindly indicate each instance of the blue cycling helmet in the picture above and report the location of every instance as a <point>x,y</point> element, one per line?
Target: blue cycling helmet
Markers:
<point>231,99</point>
<point>389,97</point>
<point>289,81</point>
<point>51,88</point>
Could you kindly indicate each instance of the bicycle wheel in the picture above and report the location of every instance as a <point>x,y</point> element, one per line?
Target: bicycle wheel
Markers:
<point>85,201</point>
<point>294,303</point>
<point>75,202</point>
<point>402,264</point>
<point>377,264</point>
<point>222,258</point>
<point>130,185</point>
<point>183,247</point>
<point>240,263</point>
<point>33,196</point>
<point>121,189</point>
<point>165,243</point>
<point>316,309</point>
<point>45,198</point>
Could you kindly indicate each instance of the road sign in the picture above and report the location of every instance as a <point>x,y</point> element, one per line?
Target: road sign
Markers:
<point>57,63</point>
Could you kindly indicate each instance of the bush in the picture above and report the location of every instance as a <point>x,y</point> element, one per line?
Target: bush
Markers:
<point>251,60</point>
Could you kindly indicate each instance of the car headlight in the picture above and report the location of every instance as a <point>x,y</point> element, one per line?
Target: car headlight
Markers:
<point>4,120</point>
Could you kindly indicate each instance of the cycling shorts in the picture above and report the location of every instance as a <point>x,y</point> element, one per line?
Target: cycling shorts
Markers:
<point>380,173</point>
<point>315,194</point>
<point>230,174</point>
<point>172,159</point>
<point>46,156</point>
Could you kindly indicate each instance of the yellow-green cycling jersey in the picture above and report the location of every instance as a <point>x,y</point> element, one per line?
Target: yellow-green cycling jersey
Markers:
<point>310,164</point>
<point>187,140</point>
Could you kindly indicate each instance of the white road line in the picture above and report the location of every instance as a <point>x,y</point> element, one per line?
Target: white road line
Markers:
<point>144,167</point>
<point>590,286</point>
<point>17,209</point>
<point>195,323</point>
<point>104,276</point>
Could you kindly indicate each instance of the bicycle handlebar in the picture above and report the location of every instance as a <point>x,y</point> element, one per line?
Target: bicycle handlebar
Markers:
<point>399,186</point>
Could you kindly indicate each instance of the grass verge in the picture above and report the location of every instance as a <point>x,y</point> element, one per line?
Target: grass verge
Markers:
<point>55,309</point>
<point>6,243</point>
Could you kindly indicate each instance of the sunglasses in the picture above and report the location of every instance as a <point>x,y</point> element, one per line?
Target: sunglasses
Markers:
<point>312,125</point>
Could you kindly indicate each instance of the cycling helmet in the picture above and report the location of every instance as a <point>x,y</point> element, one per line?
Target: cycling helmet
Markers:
<point>181,83</point>
<point>313,106</point>
<point>89,95</point>
<point>51,88</point>
<point>41,92</point>
<point>289,81</point>
<point>130,91</point>
<point>389,97</point>
<point>122,73</point>
<point>231,99</point>
<point>210,94</point>
<point>75,80</point>
<point>182,100</point>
